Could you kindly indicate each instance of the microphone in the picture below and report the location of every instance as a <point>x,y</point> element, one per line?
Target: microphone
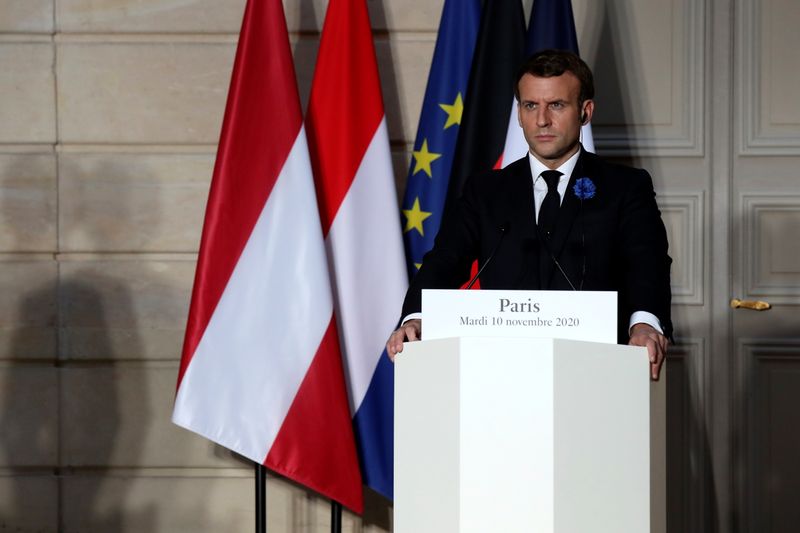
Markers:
<point>558,265</point>
<point>503,231</point>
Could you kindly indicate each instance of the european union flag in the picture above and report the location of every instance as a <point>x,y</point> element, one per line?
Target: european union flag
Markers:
<point>432,158</point>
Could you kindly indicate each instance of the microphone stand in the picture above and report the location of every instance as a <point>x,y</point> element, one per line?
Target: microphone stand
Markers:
<point>503,231</point>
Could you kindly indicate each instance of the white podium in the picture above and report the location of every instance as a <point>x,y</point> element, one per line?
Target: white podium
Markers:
<point>528,435</point>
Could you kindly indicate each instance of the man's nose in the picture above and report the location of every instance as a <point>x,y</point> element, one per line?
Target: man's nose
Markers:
<point>542,117</point>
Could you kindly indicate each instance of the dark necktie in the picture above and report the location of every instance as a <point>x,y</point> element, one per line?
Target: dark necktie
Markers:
<point>548,213</point>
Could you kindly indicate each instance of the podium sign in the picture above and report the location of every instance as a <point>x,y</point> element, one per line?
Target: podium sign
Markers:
<point>574,315</point>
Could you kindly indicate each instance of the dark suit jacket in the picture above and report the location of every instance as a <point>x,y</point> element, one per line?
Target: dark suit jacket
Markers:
<point>618,235</point>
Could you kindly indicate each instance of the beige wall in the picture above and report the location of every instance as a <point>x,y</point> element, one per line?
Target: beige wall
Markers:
<point>109,115</point>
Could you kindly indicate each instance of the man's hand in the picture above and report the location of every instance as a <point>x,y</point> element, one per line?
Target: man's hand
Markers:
<point>656,344</point>
<point>411,330</point>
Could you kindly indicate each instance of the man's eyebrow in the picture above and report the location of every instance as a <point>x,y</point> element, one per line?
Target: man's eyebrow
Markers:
<point>544,100</point>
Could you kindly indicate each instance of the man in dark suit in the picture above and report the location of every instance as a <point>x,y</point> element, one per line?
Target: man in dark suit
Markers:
<point>560,218</point>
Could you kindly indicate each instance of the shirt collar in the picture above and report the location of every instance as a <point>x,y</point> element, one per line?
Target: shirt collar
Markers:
<point>537,167</point>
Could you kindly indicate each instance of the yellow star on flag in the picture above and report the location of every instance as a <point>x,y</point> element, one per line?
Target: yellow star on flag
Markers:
<point>453,111</point>
<point>414,217</point>
<point>424,158</point>
<point>417,265</point>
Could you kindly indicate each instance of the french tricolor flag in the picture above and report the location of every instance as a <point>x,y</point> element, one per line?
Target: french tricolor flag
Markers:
<point>261,371</point>
<point>361,223</point>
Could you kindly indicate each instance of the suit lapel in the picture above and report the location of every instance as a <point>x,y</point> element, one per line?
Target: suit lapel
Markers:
<point>522,208</point>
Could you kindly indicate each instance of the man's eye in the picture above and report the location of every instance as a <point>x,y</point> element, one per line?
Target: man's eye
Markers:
<point>556,105</point>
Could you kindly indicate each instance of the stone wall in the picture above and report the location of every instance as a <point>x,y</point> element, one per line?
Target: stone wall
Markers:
<point>110,112</point>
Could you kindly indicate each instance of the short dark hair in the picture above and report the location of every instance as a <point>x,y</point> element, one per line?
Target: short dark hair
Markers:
<point>550,63</point>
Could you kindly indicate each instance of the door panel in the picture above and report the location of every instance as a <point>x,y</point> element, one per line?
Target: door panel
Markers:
<point>765,266</point>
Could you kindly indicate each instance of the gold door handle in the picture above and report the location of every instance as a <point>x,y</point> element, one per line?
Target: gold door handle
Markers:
<point>755,305</point>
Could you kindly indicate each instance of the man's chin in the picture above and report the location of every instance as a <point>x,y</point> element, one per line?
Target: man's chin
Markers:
<point>547,153</point>
<point>548,156</point>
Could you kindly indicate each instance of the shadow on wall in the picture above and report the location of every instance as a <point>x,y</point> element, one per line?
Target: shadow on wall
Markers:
<point>97,434</point>
<point>612,73</point>
<point>691,496</point>
<point>305,49</point>
<point>63,426</point>
<point>390,87</point>
<point>28,418</point>
<point>29,385</point>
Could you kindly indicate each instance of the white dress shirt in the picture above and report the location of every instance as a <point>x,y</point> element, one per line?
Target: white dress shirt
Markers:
<point>540,186</point>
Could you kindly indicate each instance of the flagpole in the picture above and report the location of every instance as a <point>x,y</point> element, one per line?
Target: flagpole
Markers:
<point>261,498</point>
<point>336,517</point>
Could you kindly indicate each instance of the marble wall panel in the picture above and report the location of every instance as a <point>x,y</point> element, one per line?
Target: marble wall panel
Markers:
<point>34,16</point>
<point>28,415</point>
<point>93,342</point>
<point>28,342</point>
<point>28,317</point>
<point>132,202</point>
<point>403,62</point>
<point>409,15</point>
<point>196,504</point>
<point>142,92</point>
<point>175,93</point>
<point>202,16</point>
<point>27,203</point>
<point>120,415</point>
<point>385,15</point>
<point>138,504</point>
<point>123,309</point>
<point>147,16</point>
<point>27,86</point>
<point>28,502</point>
<point>304,51</point>
<point>400,162</point>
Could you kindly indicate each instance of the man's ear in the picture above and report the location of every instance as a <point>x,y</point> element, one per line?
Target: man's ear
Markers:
<point>519,114</point>
<point>587,111</point>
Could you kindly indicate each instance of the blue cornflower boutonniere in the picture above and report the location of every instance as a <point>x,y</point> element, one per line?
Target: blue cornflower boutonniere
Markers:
<point>584,188</point>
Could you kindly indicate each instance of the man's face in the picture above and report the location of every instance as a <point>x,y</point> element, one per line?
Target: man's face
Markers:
<point>550,117</point>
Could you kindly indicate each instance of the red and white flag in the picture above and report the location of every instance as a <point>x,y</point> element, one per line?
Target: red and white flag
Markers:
<point>360,220</point>
<point>261,371</point>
